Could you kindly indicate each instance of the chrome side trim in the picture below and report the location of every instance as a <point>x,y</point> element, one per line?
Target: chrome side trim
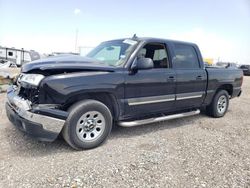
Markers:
<point>210,91</point>
<point>227,81</point>
<point>158,119</point>
<point>184,96</point>
<point>22,107</point>
<point>190,97</point>
<point>163,98</point>
<point>149,100</point>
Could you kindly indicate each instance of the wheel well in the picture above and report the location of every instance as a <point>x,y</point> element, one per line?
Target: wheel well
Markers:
<point>227,87</point>
<point>106,98</point>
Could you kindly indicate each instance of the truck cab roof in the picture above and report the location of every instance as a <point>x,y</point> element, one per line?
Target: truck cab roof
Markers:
<point>154,39</point>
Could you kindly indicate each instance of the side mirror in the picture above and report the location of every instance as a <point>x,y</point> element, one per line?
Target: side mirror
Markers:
<point>143,64</point>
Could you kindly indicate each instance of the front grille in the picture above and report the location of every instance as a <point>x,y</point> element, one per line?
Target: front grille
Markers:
<point>30,94</point>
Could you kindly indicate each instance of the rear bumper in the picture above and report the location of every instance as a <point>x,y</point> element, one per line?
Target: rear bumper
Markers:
<point>236,92</point>
<point>239,94</point>
<point>34,122</point>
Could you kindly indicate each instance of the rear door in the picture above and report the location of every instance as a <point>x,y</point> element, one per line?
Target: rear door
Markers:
<point>191,77</point>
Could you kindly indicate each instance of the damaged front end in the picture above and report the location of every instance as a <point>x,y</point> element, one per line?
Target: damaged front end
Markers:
<point>43,121</point>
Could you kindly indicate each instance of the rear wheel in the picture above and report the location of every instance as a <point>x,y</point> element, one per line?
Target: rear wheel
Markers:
<point>219,105</point>
<point>88,125</point>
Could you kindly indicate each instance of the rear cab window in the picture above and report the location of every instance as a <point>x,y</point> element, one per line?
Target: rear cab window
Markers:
<point>185,57</point>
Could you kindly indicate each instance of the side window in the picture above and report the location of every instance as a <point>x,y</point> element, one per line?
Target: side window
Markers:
<point>185,57</point>
<point>157,52</point>
<point>10,53</point>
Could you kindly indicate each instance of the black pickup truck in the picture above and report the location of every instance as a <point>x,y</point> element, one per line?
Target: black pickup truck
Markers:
<point>127,82</point>
<point>245,69</point>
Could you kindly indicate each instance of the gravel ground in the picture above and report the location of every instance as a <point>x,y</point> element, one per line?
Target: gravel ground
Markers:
<point>192,152</point>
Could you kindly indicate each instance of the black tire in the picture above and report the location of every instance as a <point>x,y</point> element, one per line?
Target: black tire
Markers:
<point>76,113</point>
<point>214,109</point>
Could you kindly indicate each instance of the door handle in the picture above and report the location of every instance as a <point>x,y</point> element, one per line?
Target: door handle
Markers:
<point>171,79</point>
<point>199,77</point>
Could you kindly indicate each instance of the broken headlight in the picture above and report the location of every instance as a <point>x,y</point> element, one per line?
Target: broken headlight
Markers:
<point>32,79</point>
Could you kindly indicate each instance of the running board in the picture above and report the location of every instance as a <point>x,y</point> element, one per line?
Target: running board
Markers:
<point>158,119</point>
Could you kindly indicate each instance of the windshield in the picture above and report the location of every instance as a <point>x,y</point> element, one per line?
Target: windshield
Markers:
<point>114,53</point>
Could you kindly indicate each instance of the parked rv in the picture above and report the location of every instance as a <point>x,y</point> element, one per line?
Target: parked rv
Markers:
<point>17,57</point>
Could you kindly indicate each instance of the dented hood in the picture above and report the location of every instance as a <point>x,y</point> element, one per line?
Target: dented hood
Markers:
<point>67,62</point>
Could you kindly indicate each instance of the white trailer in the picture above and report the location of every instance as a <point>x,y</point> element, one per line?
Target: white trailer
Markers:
<point>17,57</point>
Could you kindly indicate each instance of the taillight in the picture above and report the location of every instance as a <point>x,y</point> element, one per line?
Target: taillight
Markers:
<point>241,80</point>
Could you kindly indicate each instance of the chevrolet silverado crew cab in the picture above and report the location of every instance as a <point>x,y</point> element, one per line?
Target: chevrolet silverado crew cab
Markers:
<point>126,82</point>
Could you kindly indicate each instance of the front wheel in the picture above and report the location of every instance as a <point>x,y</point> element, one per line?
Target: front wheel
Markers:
<point>88,125</point>
<point>219,105</point>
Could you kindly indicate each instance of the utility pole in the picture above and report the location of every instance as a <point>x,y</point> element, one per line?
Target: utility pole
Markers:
<point>76,41</point>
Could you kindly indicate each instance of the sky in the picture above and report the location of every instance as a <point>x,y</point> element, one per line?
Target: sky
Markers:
<point>221,28</point>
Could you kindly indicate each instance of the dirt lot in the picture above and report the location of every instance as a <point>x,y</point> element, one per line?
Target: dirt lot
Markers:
<point>192,152</point>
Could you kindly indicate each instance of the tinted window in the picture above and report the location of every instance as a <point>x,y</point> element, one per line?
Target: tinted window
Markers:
<point>185,57</point>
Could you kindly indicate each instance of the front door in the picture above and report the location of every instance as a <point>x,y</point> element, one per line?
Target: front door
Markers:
<point>151,91</point>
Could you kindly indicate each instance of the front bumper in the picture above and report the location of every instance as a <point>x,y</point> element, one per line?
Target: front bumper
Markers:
<point>33,121</point>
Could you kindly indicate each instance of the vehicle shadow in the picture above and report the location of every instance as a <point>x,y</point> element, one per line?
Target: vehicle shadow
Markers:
<point>127,132</point>
<point>24,145</point>
<point>27,146</point>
